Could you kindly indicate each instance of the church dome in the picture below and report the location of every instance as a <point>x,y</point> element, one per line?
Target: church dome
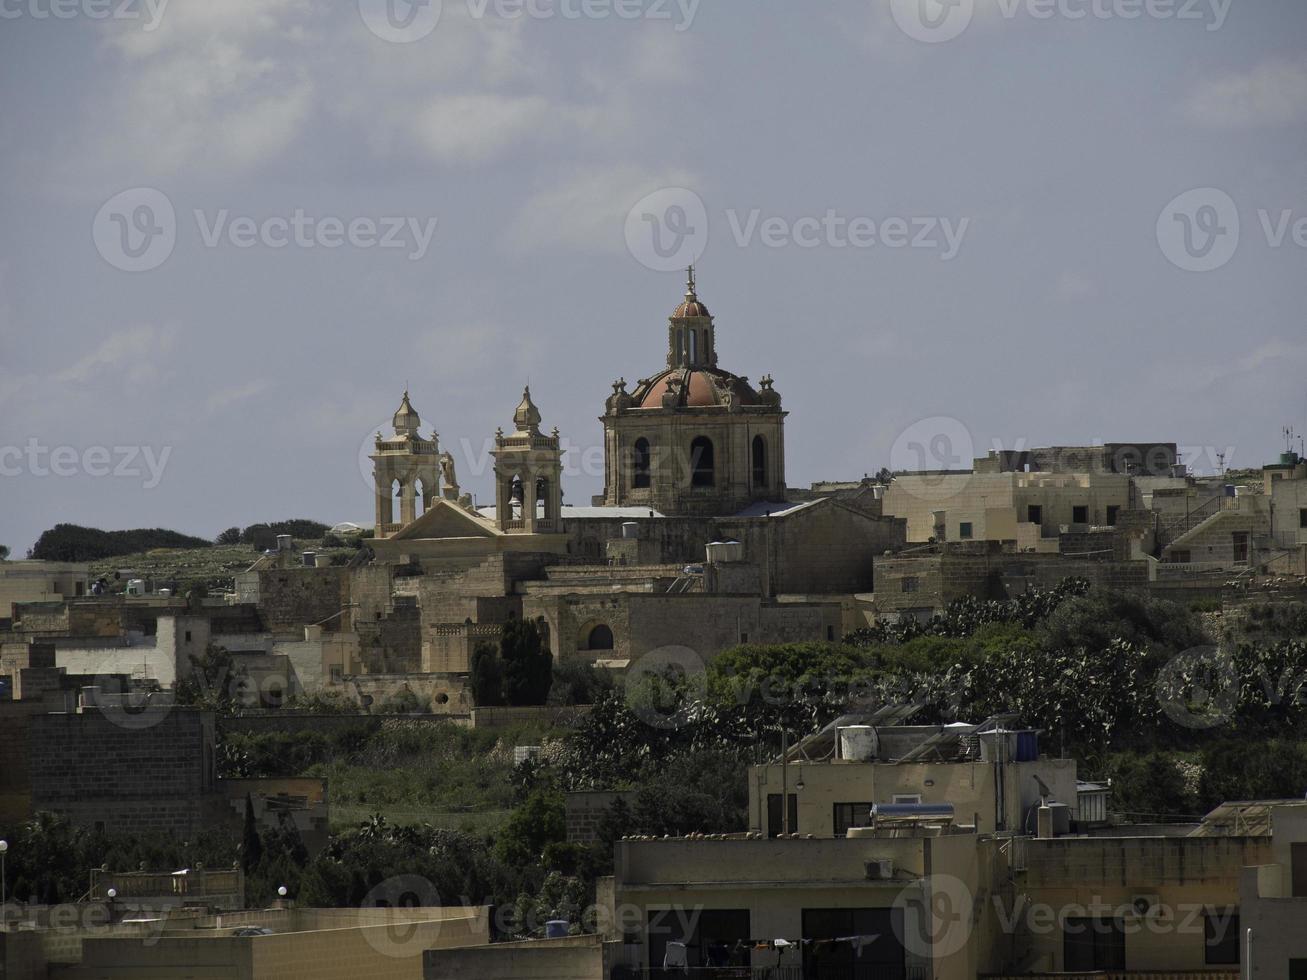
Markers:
<point>694,388</point>
<point>691,306</point>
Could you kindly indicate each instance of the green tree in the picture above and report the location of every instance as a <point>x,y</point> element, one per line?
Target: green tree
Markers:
<point>487,677</point>
<point>1149,786</point>
<point>230,536</point>
<point>539,822</point>
<point>1241,769</point>
<point>251,844</point>
<point>528,666</point>
<point>212,682</point>
<point>4,552</point>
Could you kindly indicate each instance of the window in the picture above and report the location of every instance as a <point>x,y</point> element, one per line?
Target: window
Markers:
<point>337,674</point>
<point>907,798</point>
<point>830,634</point>
<point>1221,938</point>
<point>1112,511</point>
<point>711,941</point>
<point>1181,556</point>
<point>965,530</point>
<point>760,462</point>
<point>1298,869</point>
<point>1239,543</point>
<point>1035,514</point>
<point>883,956</point>
<point>640,475</point>
<point>1093,944</point>
<point>775,824</point>
<point>850,815</point>
<point>1298,970</point>
<point>701,462</point>
<point>600,638</point>
<point>188,636</point>
<point>910,583</point>
<point>1302,517</point>
<point>1080,514</point>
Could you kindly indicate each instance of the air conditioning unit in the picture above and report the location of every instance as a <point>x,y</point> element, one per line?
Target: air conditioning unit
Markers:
<point>1146,906</point>
<point>880,869</point>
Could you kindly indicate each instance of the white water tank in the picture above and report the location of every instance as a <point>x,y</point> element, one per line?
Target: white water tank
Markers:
<point>724,551</point>
<point>858,743</point>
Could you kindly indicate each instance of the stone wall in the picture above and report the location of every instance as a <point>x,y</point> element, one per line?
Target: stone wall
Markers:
<point>586,812</point>
<point>142,773</point>
<point>291,598</point>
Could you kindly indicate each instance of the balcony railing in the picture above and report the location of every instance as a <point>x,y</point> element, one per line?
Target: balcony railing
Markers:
<point>1231,974</point>
<point>866,972</point>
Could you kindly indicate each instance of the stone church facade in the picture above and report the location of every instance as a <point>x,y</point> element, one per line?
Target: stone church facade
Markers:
<point>693,455</point>
<point>693,438</point>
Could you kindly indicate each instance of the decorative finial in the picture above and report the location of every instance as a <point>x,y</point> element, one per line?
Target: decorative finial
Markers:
<point>689,281</point>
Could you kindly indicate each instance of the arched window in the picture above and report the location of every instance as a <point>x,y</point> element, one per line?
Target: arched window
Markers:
<point>701,462</point>
<point>640,476</point>
<point>759,461</point>
<point>420,497</point>
<point>600,638</point>
<point>694,346</point>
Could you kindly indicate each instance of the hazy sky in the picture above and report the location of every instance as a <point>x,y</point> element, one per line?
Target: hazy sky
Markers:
<point>966,214</point>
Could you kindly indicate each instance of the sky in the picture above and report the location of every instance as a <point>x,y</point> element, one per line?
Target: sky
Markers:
<point>233,233</point>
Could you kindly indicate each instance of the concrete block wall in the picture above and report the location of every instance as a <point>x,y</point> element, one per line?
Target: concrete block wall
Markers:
<point>136,774</point>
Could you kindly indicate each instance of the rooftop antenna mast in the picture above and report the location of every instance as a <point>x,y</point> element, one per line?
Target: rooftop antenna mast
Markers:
<point>1289,436</point>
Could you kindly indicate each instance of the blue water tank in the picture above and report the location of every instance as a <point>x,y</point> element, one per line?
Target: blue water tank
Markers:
<point>1027,746</point>
<point>557,929</point>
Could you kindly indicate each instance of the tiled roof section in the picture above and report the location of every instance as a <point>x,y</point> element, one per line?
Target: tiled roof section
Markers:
<point>696,388</point>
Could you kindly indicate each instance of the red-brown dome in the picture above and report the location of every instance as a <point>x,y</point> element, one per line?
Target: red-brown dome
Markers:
<point>694,388</point>
<point>691,307</point>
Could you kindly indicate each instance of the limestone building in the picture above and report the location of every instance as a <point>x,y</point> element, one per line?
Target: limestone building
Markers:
<point>693,438</point>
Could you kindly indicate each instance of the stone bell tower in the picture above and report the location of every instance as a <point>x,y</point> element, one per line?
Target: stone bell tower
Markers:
<point>528,475</point>
<point>404,466</point>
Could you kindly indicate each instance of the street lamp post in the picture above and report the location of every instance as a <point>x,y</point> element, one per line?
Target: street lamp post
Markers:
<point>4,891</point>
